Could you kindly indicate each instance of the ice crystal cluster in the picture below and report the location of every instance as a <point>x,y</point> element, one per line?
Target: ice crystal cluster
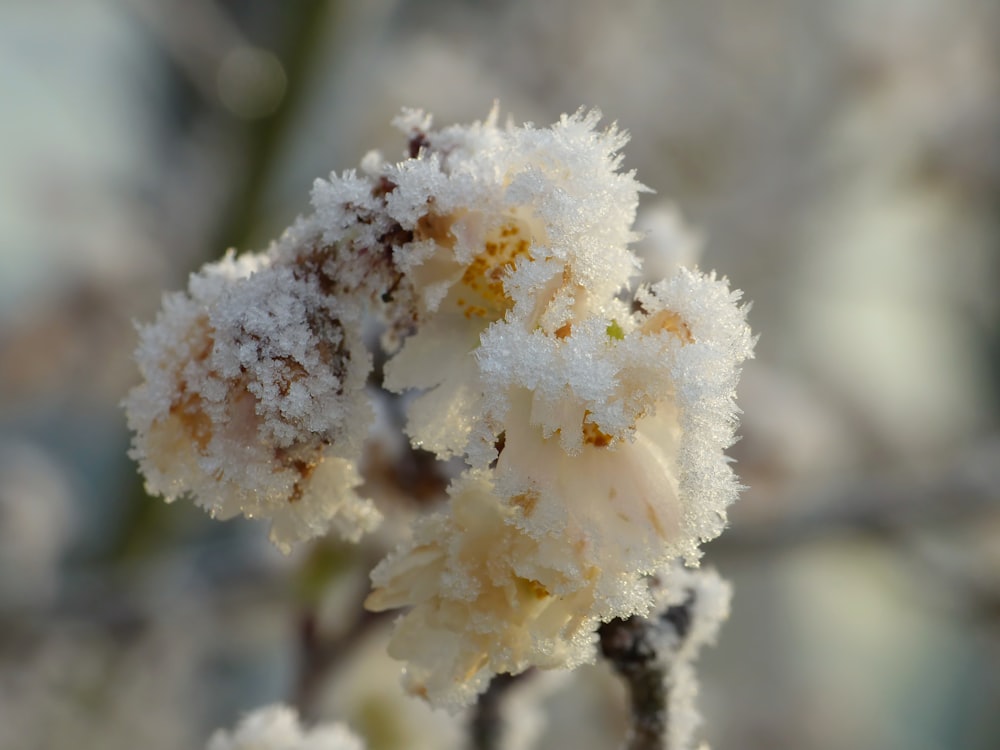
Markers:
<point>592,414</point>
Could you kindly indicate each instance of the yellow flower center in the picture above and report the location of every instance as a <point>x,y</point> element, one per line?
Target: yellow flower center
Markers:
<point>669,321</point>
<point>483,294</point>
<point>593,435</point>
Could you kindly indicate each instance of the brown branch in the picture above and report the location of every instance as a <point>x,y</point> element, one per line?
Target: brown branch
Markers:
<point>486,723</point>
<point>634,648</point>
<point>319,656</point>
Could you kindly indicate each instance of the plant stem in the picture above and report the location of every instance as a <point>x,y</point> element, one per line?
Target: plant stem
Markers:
<point>635,647</point>
<point>486,725</point>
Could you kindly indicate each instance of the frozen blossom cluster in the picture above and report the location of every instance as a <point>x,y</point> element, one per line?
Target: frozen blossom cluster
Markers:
<point>592,412</point>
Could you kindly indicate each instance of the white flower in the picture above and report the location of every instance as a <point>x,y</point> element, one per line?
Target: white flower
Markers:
<point>277,727</point>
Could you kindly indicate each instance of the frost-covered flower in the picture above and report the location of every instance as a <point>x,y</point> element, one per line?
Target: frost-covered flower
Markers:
<point>503,218</point>
<point>596,426</point>
<point>253,400</point>
<point>277,727</point>
<point>253,397</point>
<point>620,424</point>
<point>486,597</point>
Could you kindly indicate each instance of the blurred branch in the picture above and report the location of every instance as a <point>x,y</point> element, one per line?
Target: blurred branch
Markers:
<point>307,29</point>
<point>123,597</point>
<point>320,655</point>
<point>902,512</point>
<point>196,38</point>
<point>967,487</point>
<point>973,592</point>
<point>320,651</point>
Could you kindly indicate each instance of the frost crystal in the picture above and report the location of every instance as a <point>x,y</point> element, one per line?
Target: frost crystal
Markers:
<point>593,420</point>
<point>277,727</point>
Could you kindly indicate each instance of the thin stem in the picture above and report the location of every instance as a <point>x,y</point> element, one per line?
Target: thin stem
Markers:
<point>486,724</point>
<point>319,656</point>
<point>635,647</point>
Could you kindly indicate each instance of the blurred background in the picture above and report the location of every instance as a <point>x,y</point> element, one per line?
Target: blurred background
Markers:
<point>839,161</point>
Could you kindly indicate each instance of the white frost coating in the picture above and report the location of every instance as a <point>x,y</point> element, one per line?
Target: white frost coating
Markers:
<point>277,727</point>
<point>707,596</point>
<point>620,425</point>
<point>595,425</point>
<point>705,375</point>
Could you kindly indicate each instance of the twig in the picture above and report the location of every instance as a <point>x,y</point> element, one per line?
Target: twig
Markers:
<point>635,647</point>
<point>320,655</point>
<point>486,724</point>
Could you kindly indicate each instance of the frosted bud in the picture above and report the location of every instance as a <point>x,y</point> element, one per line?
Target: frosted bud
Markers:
<point>253,401</point>
<point>277,727</point>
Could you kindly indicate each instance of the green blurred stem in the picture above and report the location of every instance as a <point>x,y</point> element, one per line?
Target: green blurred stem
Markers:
<point>264,139</point>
